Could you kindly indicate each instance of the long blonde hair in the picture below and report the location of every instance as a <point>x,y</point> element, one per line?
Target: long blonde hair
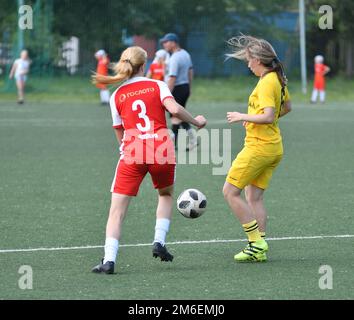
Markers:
<point>129,64</point>
<point>260,49</point>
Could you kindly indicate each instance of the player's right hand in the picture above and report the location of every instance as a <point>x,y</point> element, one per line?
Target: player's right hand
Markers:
<point>201,120</point>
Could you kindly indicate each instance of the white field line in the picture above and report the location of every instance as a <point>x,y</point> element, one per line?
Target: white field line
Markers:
<point>176,243</point>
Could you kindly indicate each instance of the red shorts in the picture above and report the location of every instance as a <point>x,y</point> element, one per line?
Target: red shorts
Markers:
<point>101,86</point>
<point>128,177</point>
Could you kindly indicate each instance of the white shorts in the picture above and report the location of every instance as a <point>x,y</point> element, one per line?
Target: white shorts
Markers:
<point>21,77</point>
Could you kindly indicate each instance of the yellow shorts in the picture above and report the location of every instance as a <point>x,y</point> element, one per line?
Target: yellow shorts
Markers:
<point>252,168</point>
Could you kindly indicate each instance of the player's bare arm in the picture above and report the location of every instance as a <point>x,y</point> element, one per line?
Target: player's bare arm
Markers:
<point>13,70</point>
<point>119,132</point>
<point>266,118</point>
<point>179,112</point>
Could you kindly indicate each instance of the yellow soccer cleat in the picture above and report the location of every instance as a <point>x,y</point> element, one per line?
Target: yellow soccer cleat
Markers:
<point>254,252</point>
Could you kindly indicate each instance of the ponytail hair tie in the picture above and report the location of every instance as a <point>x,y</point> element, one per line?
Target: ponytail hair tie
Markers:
<point>275,62</point>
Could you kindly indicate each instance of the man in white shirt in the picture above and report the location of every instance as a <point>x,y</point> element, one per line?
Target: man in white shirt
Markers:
<point>180,76</point>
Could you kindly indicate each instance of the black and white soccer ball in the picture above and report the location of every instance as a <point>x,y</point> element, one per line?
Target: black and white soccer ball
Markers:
<point>191,203</point>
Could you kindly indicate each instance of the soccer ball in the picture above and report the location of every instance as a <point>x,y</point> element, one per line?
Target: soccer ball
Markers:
<point>191,203</point>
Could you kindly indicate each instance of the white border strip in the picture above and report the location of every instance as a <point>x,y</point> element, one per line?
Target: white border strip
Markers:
<point>176,242</point>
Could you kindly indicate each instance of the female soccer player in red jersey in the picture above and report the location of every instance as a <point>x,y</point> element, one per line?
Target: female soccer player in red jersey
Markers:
<point>157,68</point>
<point>138,110</point>
<point>102,68</point>
<point>319,84</point>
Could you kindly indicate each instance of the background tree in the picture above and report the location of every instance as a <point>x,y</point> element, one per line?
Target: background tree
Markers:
<point>100,24</point>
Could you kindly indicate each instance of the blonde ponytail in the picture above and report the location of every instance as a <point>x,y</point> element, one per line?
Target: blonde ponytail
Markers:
<point>131,60</point>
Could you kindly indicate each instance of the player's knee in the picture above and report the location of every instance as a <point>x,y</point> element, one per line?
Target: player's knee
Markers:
<point>166,192</point>
<point>225,192</point>
<point>116,216</point>
<point>253,199</point>
<point>165,195</point>
<point>116,212</point>
<point>230,192</point>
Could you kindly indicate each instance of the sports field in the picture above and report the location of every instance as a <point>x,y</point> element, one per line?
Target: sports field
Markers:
<point>57,159</point>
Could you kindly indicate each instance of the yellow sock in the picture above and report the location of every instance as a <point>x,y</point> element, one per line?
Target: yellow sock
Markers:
<point>262,234</point>
<point>251,229</point>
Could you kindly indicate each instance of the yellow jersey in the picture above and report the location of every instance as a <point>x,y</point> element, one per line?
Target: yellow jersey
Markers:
<point>265,139</point>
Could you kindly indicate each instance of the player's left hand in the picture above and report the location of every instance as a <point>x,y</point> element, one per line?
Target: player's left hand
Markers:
<point>234,117</point>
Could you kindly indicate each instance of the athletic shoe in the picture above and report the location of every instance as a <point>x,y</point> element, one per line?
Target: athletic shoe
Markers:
<point>254,252</point>
<point>158,250</point>
<point>107,267</point>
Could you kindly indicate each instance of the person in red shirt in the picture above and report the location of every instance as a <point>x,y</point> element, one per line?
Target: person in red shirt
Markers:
<point>157,68</point>
<point>102,68</point>
<point>319,84</point>
<point>138,110</point>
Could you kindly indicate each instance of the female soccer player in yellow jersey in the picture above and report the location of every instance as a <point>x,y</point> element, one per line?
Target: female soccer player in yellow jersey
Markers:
<point>253,167</point>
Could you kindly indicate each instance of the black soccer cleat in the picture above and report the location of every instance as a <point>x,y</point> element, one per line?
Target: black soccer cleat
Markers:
<point>107,268</point>
<point>158,250</point>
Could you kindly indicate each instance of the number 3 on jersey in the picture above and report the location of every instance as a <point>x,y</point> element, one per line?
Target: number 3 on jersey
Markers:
<point>142,115</point>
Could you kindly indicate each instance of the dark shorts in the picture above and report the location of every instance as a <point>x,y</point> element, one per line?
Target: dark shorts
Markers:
<point>181,94</point>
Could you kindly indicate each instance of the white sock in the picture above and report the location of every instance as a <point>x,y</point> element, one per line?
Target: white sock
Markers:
<point>172,135</point>
<point>110,250</point>
<point>322,96</point>
<point>104,94</point>
<point>161,228</point>
<point>314,95</point>
<point>101,96</point>
<point>191,135</point>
